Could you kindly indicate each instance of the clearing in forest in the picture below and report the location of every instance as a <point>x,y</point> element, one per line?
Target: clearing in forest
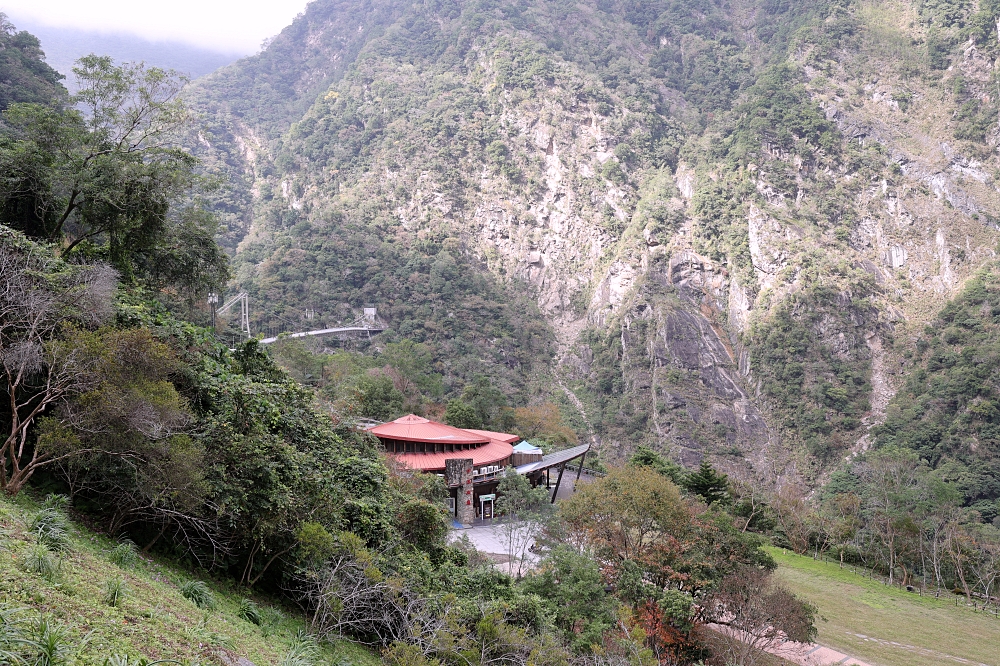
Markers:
<point>886,625</point>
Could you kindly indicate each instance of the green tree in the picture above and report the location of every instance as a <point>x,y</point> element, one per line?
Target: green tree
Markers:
<point>415,361</point>
<point>708,484</point>
<point>461,415</point>
<point>27,78</point>
<point>101,177</point>
<point>489,403</point>
<point>571,584</point>
<point>647,457</point>
<point>378,399</point>
<point>626,513</point>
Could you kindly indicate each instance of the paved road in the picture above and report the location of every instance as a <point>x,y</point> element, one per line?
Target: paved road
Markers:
<point>488,538</point>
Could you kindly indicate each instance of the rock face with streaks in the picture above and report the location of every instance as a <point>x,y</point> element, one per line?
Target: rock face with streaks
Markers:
<point>715,283</point>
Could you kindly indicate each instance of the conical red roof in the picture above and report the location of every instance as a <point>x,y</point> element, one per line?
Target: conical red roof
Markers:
<point>413,428</point>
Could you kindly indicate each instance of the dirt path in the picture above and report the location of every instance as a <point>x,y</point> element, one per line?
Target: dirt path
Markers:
<point>805,654</point>
<point>811,654</point>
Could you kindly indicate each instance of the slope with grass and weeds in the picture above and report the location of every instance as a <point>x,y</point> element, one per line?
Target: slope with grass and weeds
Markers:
<point>70,595</point>
<point>886,625</point>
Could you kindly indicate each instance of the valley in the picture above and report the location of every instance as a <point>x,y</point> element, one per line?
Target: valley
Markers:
<point>271,339</point>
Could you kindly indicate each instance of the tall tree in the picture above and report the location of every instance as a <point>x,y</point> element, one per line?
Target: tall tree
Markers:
<point>100,178</point>
<point>710,485</point>
<point>891,493</point>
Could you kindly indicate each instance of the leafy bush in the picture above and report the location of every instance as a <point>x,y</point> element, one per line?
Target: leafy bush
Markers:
<point>124,555</point>
<point>198,593</point>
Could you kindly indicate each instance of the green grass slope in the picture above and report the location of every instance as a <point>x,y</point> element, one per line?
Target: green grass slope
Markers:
<point>885,625</point>
<point>152,619</point>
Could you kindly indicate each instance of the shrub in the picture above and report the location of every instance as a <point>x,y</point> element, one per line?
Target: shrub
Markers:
<point>270,618</point>
<point>124,555</point>
<point>250,612</point>
<point>198,593</point>
<point>115,590</point>
<point>304,652</point>
<point>40,562</point>
<point>51,529</point>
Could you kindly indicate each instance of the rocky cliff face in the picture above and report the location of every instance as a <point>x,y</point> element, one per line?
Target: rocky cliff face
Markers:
<point>732,221</point>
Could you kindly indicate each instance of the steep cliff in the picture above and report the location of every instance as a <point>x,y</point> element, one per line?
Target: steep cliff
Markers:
<point>720,223</point>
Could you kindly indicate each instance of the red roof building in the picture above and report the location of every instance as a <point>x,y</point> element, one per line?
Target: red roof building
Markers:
<point>437,448</point>
<point>424,445</point>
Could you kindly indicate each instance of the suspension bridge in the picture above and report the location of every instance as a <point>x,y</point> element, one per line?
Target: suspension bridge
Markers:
<point>369,323</point>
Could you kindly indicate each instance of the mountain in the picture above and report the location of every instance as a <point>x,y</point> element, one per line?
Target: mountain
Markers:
<point>24,75</point>
<point>714,228</point>
<point>64,46</point>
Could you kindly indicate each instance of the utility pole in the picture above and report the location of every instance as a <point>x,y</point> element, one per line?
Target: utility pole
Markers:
<point>213,301</point>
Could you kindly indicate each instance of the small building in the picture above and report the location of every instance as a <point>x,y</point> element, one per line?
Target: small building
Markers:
<point>471,461</point>
<point>524,453</point>
<point>437,448</point>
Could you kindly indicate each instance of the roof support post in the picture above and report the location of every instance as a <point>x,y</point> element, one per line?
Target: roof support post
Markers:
<point>580,471</point>
<point>555,492</point>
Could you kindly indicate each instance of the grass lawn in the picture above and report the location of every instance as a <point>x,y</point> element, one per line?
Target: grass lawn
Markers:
<point>887,626</point>
<point>153,620</point>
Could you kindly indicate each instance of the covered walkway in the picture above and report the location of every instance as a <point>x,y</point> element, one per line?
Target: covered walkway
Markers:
<point>558,460</point>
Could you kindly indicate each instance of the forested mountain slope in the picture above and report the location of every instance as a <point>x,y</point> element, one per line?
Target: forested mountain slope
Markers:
<point>727,222</point>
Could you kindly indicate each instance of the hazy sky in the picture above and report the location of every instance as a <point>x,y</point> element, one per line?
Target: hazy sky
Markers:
<point>224,25</point>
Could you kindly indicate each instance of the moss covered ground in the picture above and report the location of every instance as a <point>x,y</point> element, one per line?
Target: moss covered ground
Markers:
<point>152,619</point>
<point>885,625</point>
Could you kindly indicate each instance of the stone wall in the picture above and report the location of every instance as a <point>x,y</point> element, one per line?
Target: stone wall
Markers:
<point>458,474</point>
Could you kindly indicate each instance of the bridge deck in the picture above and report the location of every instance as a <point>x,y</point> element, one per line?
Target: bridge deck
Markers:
<point>325,331</point>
